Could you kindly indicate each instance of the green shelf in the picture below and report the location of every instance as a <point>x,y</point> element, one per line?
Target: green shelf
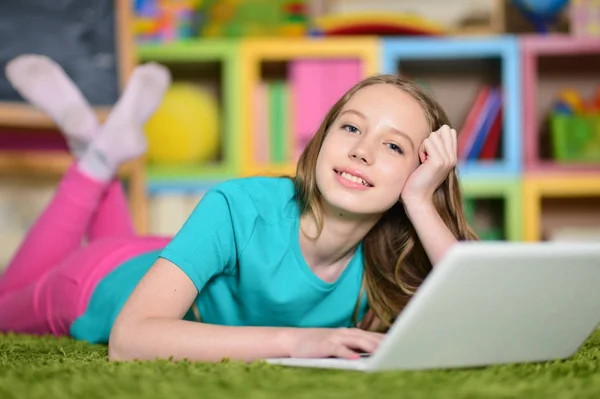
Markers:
<point>505,188</point>
<point>188,51</point>
<point>198,52</point>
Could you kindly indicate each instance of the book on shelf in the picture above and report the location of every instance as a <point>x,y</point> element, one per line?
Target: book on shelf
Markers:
<point>288,112</point>
<point>480,135</point>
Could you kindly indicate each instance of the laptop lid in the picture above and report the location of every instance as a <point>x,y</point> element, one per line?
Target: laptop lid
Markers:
<point>498,302</point>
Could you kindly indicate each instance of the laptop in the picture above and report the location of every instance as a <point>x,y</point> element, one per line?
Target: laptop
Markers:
<point>489,303</point>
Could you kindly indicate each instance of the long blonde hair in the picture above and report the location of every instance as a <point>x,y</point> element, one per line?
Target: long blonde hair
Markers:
<point>395,262</point>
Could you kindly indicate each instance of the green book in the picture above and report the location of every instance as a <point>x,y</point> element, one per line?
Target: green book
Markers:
<point>278,120</point>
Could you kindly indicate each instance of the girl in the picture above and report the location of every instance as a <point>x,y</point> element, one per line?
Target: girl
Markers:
<point>312,266</point>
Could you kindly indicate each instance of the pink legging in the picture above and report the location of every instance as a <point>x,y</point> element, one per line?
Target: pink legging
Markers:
<point>51,278</point>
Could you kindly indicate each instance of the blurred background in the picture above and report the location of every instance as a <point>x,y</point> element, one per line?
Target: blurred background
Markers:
<point>519,79</point>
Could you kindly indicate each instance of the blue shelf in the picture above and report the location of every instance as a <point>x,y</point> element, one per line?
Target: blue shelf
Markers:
<point>190,187</point>
<point>484,169</point>
<point>394,50</point>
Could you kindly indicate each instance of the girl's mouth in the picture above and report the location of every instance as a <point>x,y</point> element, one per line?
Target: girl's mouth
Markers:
<point>352,178</point>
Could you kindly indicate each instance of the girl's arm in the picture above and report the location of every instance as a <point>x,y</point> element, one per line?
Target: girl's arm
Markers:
<point>150,326</point>
<point>438,155</point>
<point>433,232</point>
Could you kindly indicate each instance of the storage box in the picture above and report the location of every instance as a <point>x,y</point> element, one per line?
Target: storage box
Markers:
<point>575,138</point>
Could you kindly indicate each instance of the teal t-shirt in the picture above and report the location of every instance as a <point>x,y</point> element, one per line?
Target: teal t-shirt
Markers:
<point>240,247</point>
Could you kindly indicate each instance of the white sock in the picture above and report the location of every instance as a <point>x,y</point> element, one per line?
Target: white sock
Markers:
<point>44,84</point>
<point>122,138</point>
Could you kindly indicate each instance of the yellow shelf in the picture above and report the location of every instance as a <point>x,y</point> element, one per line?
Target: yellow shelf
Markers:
<point>288,169</point>
<point>538,187</point>
<point>283,49</point>
<point>255,51</point>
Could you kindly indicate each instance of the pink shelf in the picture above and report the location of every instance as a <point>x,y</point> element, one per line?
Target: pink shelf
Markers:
<point>558,44</point>
<point>556,169</point>
<point>532,49</point>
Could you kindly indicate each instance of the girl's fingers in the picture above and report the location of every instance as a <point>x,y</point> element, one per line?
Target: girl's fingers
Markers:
<point>434,147</point>
<point>454,144</point>
<point>344,352</point>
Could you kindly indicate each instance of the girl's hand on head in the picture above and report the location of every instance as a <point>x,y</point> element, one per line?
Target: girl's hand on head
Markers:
<point>333,342</point>
<point>438,155</point>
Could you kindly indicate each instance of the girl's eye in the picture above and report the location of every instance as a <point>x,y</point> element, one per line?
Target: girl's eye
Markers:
<point>350,128</point>
<point>395,148</point>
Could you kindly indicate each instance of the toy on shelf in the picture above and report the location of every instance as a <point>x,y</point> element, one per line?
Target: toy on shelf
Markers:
<point>374,23</point>
<point>252,18</point>
<point>185,129</point>
<point>575,127</point>
<point>585,18</point>
<point>166,20</point>
<point>541,13</point>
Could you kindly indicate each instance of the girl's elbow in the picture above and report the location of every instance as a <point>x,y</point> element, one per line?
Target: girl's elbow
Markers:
<point>118,344</point>
<point>114,355</point>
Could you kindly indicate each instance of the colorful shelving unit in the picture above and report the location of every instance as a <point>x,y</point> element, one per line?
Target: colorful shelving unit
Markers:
<point>549,64</point>
<point>518,181</point>
<point>255,52</point>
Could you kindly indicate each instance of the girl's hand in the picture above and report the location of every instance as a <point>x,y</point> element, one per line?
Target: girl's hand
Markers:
<point>370,322</point>
<point>438,155</point>
<point>337,342</point>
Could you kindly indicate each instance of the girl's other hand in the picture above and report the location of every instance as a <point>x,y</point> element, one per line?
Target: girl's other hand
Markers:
<point>438,155</point>
<point>326,342</point>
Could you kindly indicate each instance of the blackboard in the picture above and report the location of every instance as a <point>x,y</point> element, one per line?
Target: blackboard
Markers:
<point>78,34</point>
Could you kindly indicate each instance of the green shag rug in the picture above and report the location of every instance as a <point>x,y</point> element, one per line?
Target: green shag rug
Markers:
<point>47,367</point>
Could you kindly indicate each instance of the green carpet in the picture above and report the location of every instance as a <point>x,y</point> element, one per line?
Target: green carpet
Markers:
<point>32,367</point>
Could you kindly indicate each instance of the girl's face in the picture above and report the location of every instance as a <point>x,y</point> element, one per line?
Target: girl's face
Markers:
<point>370,150</point>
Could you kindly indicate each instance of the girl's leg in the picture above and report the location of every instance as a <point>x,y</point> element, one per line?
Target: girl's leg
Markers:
<point>57,233</point>
<point>46,86</point>
<point>61,228</point>
<point>38,79</point>
<point>112,217</point>
<point>50,304</point>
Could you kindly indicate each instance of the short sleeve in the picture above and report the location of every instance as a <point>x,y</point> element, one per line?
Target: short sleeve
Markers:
<point>204,247</point>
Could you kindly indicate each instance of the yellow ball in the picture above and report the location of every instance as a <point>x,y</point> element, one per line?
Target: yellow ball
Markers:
<point>185,127</point>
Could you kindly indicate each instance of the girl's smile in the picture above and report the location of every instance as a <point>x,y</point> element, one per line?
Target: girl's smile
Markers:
<point>353,178</point>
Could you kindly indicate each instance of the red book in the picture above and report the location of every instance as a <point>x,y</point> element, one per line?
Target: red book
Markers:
<point>467,134</point>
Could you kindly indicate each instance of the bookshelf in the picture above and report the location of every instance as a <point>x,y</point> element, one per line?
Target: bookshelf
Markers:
<point>557,194</point>
<point>447,66</point>
<point>256,54</point>
<point>525,190</point>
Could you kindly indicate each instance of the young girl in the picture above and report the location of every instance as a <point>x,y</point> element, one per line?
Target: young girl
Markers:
<point>312,266</point>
